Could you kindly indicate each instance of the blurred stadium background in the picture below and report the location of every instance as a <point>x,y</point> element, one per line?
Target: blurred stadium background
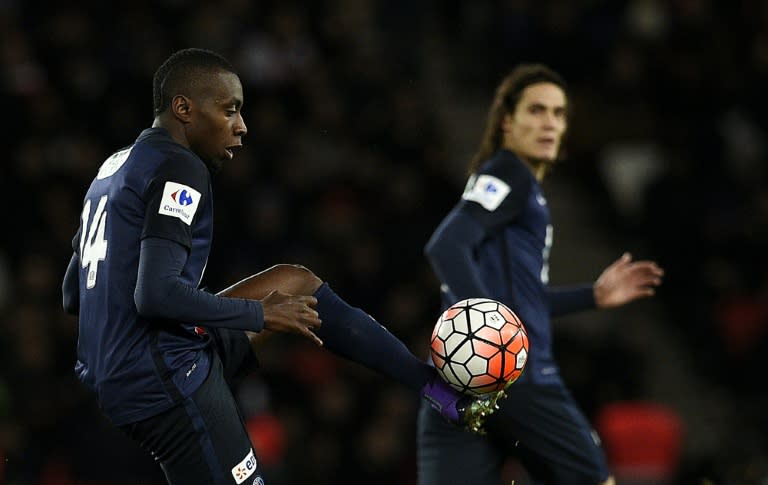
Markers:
<point>362,115</point>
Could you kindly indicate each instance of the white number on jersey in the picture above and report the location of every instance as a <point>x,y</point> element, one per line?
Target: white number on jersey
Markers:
<point>93,246</point>
<point>545,255</point>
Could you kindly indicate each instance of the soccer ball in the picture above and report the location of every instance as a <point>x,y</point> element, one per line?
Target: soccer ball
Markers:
<point>479,346</point>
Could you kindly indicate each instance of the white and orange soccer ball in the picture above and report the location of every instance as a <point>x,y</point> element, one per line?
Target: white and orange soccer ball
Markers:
<point>479,346</point>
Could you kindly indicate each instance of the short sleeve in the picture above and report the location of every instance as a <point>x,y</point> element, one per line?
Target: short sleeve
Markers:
<point>498,192</point>
<point>175,196</point>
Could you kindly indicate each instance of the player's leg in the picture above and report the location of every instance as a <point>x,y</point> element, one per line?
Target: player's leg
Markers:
<point>555,441</point>
<point>353,334</point>
<point>448,455</point>
<point>346,330</point>
<point>236,352</point>
<point>203,440</point>
<point>288,278</point>
<point>238,349</point>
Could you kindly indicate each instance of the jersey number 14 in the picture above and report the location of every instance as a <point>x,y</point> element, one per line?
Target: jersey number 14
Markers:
<point>93,246</point>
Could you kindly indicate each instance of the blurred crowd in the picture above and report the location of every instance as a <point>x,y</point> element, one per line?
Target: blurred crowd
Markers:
<point>361,117</point>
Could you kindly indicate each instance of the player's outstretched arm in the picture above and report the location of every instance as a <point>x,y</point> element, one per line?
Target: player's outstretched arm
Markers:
<point>161,292</point>
<point>626,280</point>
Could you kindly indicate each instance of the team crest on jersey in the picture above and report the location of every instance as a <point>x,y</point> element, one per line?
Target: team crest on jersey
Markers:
<point>486,190</point>
<point>245,468</point>
<point>179,201</point>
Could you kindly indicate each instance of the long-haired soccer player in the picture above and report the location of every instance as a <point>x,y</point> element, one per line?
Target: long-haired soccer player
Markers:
<point>495,243</point>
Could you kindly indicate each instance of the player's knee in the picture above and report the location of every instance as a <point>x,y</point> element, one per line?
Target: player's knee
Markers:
<point>608,481</point>
<point>298,279</point>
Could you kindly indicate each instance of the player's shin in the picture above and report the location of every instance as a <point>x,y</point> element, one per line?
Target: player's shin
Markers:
<point>355,335</point>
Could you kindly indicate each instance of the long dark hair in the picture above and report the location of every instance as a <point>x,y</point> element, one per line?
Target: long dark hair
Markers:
<point>505,101</point>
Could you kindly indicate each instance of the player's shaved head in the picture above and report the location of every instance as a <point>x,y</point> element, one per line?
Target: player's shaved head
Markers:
<point>185,72</point>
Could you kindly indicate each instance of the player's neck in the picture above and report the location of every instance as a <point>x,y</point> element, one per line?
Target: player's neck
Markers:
<point>174,129</point>
<point>539,168</point>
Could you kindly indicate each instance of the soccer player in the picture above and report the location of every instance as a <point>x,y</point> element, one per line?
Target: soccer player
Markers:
<point>495,243</point>
<point>162,354</point>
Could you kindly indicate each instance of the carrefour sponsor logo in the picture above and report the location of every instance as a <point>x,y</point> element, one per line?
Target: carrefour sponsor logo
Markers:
<point>180,201</point>
<point>245,468</point>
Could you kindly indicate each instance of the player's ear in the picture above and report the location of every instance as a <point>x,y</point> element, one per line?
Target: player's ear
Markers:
<point>181,107</point>
<point>506,123</point>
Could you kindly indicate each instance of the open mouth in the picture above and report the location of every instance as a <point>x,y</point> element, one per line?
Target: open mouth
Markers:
<point>230,151</point>
<point>548,142</point>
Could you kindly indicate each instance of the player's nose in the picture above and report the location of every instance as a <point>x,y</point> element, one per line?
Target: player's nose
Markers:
<point>240,128</point>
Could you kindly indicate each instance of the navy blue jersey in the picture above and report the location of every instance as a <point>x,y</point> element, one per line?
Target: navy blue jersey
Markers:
<point>495,243</point>
<point>155,188</point>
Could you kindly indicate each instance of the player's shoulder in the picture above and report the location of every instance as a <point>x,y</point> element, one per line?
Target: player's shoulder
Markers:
<point>161,156</point>
<point>503,181</point>
<point>506,166</point>
<point>159,142</point>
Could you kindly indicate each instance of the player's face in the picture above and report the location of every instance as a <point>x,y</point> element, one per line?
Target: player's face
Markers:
<point>217,125</point>
<point>534,131</point>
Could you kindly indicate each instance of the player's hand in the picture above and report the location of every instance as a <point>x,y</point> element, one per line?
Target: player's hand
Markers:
<point>626,280</point>
<point>291,314</point>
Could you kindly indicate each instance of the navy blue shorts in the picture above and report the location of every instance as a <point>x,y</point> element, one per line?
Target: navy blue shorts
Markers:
<point>204,440</point>
<point>540,426</point>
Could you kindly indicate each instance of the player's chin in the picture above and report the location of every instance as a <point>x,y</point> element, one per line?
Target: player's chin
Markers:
<point>544,159</point>
<point>547,156</point>
<point>215,164</point>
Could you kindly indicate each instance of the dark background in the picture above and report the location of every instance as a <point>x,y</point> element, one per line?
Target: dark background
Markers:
<point>362,115</point>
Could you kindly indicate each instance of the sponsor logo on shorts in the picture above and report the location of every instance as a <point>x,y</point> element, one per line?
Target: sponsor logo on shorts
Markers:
<point>192,369</point>
<point>245,468</point>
